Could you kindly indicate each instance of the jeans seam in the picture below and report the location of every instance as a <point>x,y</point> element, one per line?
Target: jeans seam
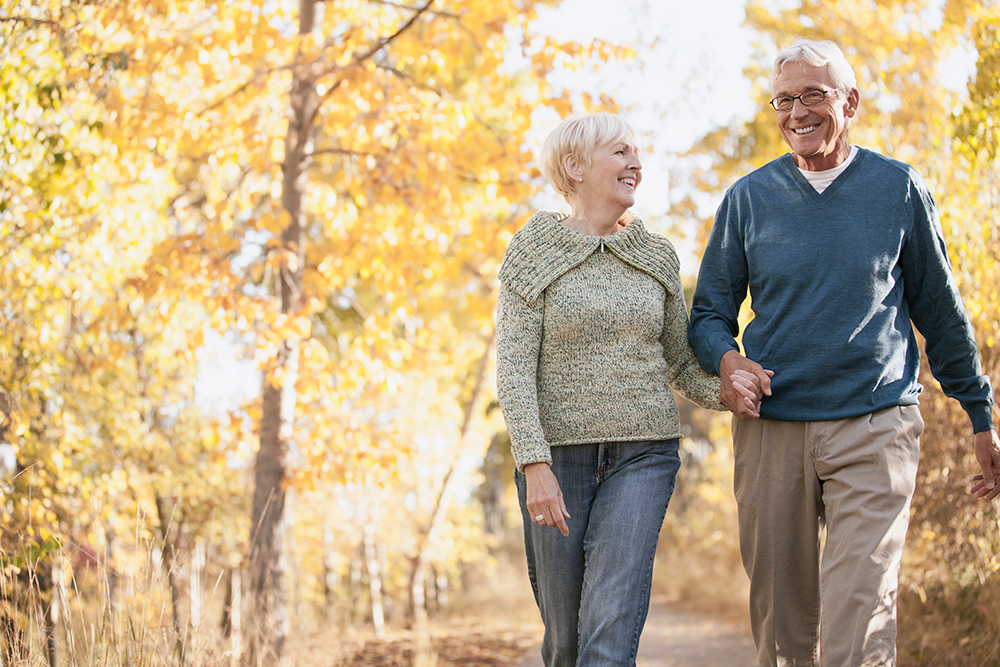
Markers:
<point>606,463</point>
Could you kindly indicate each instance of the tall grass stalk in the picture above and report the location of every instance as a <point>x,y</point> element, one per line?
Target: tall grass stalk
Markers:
<point>95,615</point>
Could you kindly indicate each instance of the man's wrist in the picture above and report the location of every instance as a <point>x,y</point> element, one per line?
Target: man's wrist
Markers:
<point>718,367</point>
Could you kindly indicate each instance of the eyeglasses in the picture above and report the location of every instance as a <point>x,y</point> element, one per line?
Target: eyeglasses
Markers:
<point>810,99</point>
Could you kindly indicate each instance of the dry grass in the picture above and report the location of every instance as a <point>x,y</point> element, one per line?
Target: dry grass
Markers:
<point>491,623</point>
<point>950,627</point>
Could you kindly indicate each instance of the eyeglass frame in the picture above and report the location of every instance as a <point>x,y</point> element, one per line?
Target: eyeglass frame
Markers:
<point>798,97</point>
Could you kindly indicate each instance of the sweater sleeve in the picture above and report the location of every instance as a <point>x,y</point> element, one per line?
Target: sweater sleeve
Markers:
<point>721,290</point>
<point>519,339</point>
<point>683,372</point>
<point>937,311</point>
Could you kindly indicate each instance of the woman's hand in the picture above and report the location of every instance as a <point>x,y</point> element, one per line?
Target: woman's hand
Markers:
<point>545,500</point>
<point>744,383</point>
<point>747,385</point>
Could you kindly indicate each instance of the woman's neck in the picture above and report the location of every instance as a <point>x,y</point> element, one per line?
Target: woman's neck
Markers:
<point>593,223</point>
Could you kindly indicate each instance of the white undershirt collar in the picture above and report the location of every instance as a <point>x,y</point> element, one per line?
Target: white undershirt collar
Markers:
<point>822,179</point>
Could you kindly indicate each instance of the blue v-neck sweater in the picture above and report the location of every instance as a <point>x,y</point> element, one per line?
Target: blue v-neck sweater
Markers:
<point>835,279</point>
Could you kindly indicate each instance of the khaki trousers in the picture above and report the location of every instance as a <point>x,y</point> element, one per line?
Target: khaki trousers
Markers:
<point>853,477</point>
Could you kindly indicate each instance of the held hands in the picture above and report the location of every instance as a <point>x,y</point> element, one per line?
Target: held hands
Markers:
<point>744,383</point>
<point>545,499</point>
<point>988,455</point>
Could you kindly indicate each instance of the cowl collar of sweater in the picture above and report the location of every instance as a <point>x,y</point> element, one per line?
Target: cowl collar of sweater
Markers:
<point>545,249</point>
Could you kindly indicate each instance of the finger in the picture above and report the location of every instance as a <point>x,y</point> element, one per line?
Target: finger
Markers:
<point>745,378</point>
<point>562,506</point>
<point>981,492</point>
<point>989,478</point>
<point>744,390</point>
<point>537,511</point>
<point>765,380</point>
<point>748,413</point>
<point>746,387</point>
<point>560,518</point>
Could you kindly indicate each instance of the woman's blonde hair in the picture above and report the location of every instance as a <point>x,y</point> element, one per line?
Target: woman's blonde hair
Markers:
<point>578,135</point>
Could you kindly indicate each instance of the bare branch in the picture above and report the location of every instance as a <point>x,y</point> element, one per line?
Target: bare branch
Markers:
<point>413,82</point>
<point>341,151</point>
<point>412,8</point>
<point>55,25</point>
<point>378,46</point>
<point>240,88</point>
<point>384,42</point>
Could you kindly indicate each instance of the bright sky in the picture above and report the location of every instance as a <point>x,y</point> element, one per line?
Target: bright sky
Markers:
<point>690,81</point>
<point>687,79</point>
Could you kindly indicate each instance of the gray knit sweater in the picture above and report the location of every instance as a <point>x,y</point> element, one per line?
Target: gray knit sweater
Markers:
<point>591,336</point>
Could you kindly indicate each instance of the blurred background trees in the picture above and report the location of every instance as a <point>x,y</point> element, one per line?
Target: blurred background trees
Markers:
<point>321,193</point>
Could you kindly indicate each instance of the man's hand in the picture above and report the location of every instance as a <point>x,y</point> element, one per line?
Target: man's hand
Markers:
<point>545,499</point>
<point>988,455</point>
<point>744,383</point>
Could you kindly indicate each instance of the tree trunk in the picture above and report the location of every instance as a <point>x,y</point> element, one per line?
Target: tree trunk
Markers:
<point>374,581</point>
<point>331,575</point>
<point>112,578</point>
<point>357,579</point>
<point>226,623</point>
<point>50,618</point>
<point>491,491</point>
<point>268,611</point>
<point>422,653</point>
<point>198,562</point>
<point>421,562</point>
<point>232,614</point>
<point>170,566</point>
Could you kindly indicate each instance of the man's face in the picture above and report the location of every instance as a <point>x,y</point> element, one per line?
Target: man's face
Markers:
<point>816,134</point>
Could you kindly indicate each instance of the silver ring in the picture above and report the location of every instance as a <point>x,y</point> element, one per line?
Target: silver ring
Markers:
<point>540,517</point>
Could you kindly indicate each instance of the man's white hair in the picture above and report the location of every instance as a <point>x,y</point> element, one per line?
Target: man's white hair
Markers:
<point>817,54</point>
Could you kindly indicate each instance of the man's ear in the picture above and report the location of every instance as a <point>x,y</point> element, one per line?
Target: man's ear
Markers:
<point>853,100</point>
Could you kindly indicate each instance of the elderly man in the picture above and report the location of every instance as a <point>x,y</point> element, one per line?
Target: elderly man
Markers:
<point>841,249</point>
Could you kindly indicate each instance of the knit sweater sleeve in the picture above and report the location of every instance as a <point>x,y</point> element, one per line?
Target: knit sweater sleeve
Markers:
<point>937,310</point>
<point>683,371</point>
<point>721,289</point>
<point>519,339</point>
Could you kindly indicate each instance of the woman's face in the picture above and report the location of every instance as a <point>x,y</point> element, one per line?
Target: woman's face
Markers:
<point>614,173</point>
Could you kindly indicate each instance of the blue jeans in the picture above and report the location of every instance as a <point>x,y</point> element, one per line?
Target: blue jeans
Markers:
<point>592,588</point>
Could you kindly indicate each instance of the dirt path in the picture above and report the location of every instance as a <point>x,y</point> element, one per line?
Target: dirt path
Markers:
<point>677,638</point>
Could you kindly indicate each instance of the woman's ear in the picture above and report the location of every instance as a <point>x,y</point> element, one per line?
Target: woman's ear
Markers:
<point>573,167</point>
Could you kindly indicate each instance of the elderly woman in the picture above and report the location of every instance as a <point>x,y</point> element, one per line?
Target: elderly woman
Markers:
<point>591,337</point>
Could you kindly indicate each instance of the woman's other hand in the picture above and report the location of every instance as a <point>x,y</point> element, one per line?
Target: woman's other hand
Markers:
<point>744,383</point>
<point>545,500</point>
<point>747,385</point>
